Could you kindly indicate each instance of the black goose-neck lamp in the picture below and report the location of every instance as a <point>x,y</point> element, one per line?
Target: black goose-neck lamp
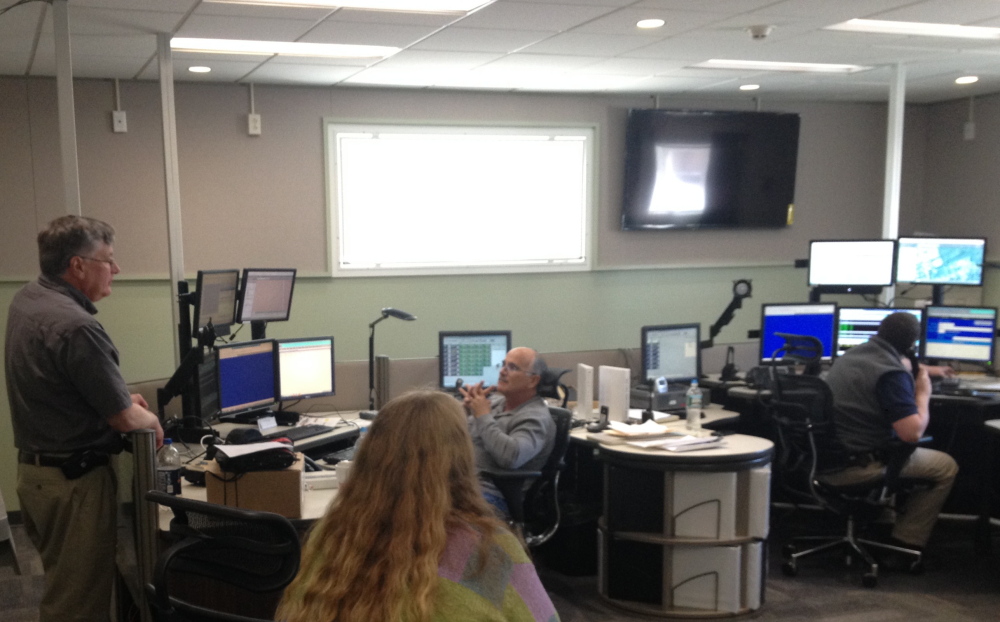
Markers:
<point>386,312</point>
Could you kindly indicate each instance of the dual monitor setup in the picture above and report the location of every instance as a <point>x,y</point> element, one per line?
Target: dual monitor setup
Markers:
<point>964,334</point>
<point>866,266</point>
<point>223,298</point>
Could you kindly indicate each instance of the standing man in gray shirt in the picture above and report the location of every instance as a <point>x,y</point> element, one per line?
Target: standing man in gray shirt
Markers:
<point>69,406</point>
<point>513,431</point>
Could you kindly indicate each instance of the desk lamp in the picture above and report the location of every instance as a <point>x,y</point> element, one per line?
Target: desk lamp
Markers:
<point>386,312</point>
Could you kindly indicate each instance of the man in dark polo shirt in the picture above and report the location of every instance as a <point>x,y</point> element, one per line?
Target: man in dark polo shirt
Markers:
<point>69,406</point>
<point>878,397</point>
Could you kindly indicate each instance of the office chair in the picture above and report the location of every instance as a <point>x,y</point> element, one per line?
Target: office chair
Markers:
<point>535,512</point>
<point>256,552</point>
<point>809,459</point>
<point>550,385</point>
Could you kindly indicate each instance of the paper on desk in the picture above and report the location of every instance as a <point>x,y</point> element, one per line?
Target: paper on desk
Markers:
<point>680,443</point>
<point>646,428</point>
<point>235,451</point>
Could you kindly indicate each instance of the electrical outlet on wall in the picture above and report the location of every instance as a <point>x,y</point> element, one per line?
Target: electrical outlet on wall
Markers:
<point>118,124</point>
<point>253,124</point>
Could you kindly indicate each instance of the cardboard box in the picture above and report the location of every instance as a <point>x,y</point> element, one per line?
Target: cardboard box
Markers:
<point>267,491</point>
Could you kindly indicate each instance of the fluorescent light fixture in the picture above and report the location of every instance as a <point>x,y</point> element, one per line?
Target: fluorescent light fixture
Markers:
<point>199,69</point>
<point>967,80</point>
<point>764,65</point>
<point>922,29</point>
<point>281,48</point>
<point>749,87</point>
<point>409,6</point>
<point>650,23</point>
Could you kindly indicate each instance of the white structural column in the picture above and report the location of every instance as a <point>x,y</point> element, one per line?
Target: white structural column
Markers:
<point>67,110</point>
<point>893,162</point>
<point>171,176</point>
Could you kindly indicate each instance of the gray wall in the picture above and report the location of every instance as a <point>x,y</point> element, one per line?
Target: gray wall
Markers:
<point>261,202</point>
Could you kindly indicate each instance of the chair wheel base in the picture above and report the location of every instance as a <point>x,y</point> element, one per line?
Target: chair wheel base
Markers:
<point>789,569</point>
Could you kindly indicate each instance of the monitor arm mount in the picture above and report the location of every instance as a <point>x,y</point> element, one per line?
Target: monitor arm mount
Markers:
<point>741,289</point>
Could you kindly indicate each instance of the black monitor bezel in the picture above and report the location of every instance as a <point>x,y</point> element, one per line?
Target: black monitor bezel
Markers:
<point>277,368</point>
<point>243,288</point>
<point>220,329</point>
<point>853,288</point>
<point>465,333</point>
<point>923,334</point>
<point>833,337</point>
<point>643,347</point>
<point>982,272</point>
<point>218,376</point>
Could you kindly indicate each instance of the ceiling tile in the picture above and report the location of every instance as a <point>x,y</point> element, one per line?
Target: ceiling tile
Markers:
<point>481,40</point>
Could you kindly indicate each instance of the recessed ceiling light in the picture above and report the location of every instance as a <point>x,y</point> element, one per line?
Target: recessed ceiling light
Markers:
<point>749,87</point>
<point>763,65</point>
<point>650,23</point>
<point>409,6</point>
<point>967,80</point>
<point>199,69</point>
<point>281,48</point>
<point>924,29</point>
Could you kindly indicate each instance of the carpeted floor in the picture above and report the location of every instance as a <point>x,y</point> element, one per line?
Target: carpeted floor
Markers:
<point>958,585</point>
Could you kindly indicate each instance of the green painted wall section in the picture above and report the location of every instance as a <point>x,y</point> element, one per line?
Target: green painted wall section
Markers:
<point>561,312</point>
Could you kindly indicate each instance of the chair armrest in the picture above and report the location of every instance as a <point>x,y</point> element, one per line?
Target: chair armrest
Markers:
<point>511,485</point>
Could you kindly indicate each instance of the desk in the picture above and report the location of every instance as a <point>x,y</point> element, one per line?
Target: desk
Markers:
<point>957,425</point>
<point>684,534</point>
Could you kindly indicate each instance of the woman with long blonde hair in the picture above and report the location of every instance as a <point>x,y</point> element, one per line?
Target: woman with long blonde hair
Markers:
<point>409,536</point>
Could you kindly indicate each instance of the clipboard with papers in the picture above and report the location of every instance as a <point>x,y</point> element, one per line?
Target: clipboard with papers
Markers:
<point>679,443</point>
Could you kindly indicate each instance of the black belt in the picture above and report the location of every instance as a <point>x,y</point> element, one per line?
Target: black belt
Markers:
<point>44,460</point>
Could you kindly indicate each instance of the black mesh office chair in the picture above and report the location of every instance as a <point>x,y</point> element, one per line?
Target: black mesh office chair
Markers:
<point>809,459</point>
<point>535,511</point>
<point>218,549</point>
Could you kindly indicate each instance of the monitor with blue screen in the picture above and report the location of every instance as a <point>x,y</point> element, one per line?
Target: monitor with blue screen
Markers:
<point>672,352</point>
<point>472,356</point>
<point>941,261</point>
<point>856,325</point>
<point>246,376</point>
<point>814,319</point>
<point>959,333</point>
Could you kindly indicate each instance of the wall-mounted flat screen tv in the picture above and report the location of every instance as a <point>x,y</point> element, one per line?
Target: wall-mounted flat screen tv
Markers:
<point>696,169</point>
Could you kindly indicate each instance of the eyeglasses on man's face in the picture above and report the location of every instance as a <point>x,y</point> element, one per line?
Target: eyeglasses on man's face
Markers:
<point>111,262</point>
<point>511,367</point>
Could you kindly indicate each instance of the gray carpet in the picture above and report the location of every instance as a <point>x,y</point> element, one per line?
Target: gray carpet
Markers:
<point>958,585</point>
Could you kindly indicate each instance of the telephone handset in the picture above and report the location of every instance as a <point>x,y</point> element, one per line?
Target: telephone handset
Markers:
<point>914,362</point>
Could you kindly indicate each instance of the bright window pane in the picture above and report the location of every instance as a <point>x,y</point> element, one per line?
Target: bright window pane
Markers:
<point>436,199</point>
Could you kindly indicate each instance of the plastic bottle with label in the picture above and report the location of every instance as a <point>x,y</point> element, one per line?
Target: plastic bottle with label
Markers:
<point>168,468</point>
<point>693,410</point>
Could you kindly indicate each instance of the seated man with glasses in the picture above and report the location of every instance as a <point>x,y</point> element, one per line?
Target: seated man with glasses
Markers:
<point>512,430</point>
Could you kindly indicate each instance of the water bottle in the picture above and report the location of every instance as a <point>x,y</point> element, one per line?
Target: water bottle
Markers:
<point>693,409</point>
<point>168,468</point>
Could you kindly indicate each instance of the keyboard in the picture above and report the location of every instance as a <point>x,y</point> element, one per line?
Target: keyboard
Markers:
<point>298,433</point>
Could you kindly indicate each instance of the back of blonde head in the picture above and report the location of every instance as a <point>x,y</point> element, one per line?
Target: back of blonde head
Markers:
<point>375,554</point>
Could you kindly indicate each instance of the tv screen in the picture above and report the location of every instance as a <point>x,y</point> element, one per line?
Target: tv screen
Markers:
<point>305,368</point>
<point>216,300</point>
<point>672,352</point>
<point>941,261</point>
<point>856,325</point>
<point>694,169</point>
<point>813,319</point>
<point>960,333</point>
<point>266,294</point>
<point>471,356</point>
<point>851,266</point>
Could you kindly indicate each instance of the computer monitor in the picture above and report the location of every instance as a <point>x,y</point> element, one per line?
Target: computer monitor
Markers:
<point>672,352</point>
<point>959,333</point>
<point>266,295</point>
<point>941,261</point>
<point>472,356</point>
<point>851,266</point>
<point>216,299</point>
<point>246,376</point>
<point>305,368</point>
<point>856,325</point>
<point>815,319</point>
